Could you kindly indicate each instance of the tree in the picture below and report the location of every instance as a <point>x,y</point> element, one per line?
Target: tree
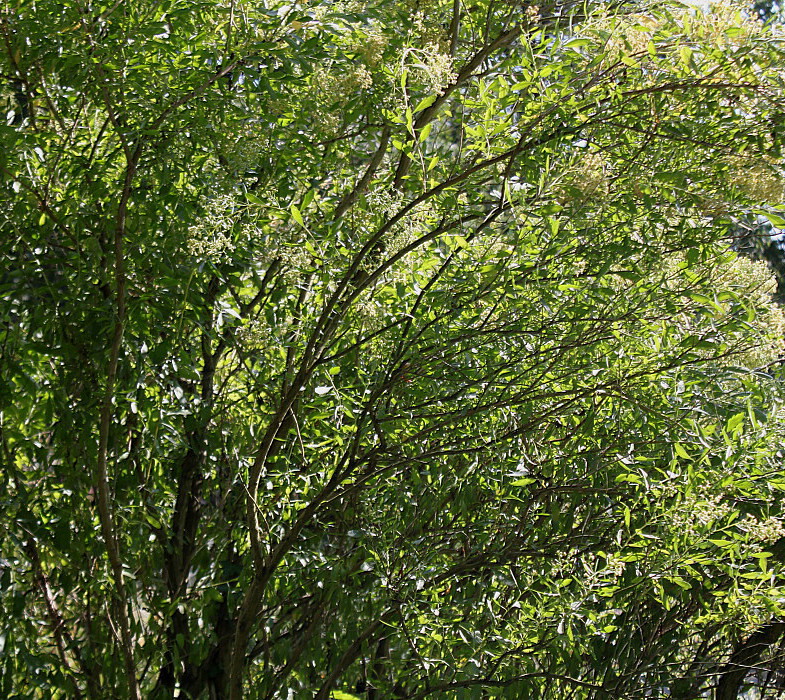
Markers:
<point>388,350</point>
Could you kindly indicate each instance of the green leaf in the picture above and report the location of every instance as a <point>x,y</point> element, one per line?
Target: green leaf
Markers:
<point>425,103</point>
<point>298,217</point>
<point>774,219</point>
<point>678,448</point>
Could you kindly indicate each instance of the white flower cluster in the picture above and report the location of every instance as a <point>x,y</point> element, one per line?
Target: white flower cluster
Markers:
<point>564,563</point>
<point>331,87</point>
<point>724,23</point>
<point>699,511</point>
<point>383,200</point>
<point>210,239</point>
<point>614,567</point>
<point>586,178</point>
<point>754,281</point>
<point>386,203</point>
<point>255,335</point>
<point>371,47</point>
<point>752,276</point>
<point>370,313</point>
<point>335,87</point>
<point>246,149</point>
<point>295,261</point>
<point>427,27</point>
<point>753,285</point>
<point>768,531</point>
<point>532,14</point>
<point>436,69</point>
<point>618,36</point>
<point>601,569</point>
<point>759,179</point>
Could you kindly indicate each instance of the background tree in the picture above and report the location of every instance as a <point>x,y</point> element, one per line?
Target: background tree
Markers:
<point>387,350</point>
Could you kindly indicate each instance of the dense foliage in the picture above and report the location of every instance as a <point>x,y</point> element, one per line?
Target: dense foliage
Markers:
<point>388,350</point>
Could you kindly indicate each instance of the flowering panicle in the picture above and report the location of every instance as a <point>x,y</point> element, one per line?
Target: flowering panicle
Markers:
<point>699,511</point>
<point>210,239</point>
<point>759,179</point>
<point>764,531</point>
<point>586,178</point>
<point>436,70</point>
<point>621,36</point>
<point>331,87</point>
<point>755,282</point>
<point>371,47</point>
<point>255,335</point>
<point>724,23</point>
<point>295,261</point>
<point>247,148</point>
